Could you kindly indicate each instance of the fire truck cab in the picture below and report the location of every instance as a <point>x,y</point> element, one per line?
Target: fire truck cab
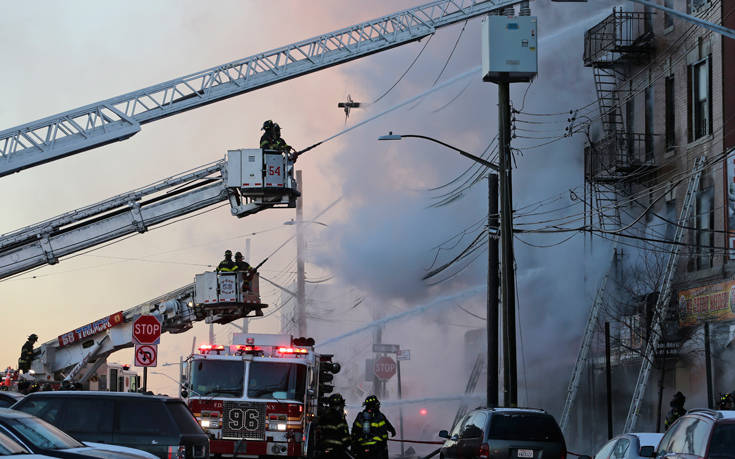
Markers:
<point>259,395</point>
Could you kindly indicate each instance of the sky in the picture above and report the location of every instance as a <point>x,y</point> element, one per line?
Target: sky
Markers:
<point>382,236</point>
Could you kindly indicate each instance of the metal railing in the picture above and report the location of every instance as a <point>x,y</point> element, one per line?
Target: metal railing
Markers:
<point>619,154</point>
<point>620,33</point>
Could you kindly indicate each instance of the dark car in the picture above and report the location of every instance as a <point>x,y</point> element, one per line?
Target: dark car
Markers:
<point>8,398</point>
<point>510,433</point>
<point>39,437</point>
<point>161,425</point>
<point>700,433</point>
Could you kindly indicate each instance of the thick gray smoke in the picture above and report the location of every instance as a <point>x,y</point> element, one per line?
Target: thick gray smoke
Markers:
<point>385,245</point>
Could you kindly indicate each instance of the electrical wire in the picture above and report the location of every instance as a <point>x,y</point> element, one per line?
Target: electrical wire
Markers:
<point>407,70</point>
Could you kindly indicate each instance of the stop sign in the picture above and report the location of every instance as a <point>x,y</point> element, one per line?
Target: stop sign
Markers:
<point>147,329</point>
<point>385,368</point>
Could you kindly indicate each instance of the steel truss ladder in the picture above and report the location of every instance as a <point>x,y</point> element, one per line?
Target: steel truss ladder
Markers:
<point>470,388</point>
<point>584,350</point>
<point>121,117</point>
<point>663,298</point>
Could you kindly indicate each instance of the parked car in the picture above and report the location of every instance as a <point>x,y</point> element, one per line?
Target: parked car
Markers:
<point>39,437</point>
<point>510,433</point>
<point>8,398</point>
<point>702,433</point>
<point>630,446</point>
<point>161,425</point>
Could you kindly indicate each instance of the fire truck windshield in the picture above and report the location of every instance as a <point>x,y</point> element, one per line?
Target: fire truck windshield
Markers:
<point>284,381</point>
<point>218,378</point>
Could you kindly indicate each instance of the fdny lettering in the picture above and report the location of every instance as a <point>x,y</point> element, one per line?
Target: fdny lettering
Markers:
<point>88,330</point>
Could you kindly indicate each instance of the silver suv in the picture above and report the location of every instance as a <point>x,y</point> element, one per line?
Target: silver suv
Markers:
<point>700,433</point>
<point>510,433</point>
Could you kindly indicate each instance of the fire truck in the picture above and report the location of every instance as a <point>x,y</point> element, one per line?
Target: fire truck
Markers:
<point>258,396</point>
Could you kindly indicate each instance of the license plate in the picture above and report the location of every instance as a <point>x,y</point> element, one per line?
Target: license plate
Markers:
<point>525,453</point>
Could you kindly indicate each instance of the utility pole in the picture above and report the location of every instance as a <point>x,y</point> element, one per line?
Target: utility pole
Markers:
<point>510,381</point>
<point>300,313</point>
<point>244,327</point>
<point>492,293</point>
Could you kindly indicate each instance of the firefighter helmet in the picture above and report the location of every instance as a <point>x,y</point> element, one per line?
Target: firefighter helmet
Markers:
<point>267,125</point>
<point>33,337</point>
<point>336,401</point>
<point>228,253</point>
<point>371,402</point>
<point>727,402</point>
<point>238,256</point>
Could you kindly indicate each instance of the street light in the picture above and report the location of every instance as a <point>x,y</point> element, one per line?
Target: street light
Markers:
<point>484,162</point>
<point>492,271</point>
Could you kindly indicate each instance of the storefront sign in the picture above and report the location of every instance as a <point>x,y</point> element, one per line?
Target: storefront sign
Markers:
<point>91,329</point>
<point>709,303</point>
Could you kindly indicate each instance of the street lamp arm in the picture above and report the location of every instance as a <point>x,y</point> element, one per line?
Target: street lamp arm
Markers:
<point>461,152</point>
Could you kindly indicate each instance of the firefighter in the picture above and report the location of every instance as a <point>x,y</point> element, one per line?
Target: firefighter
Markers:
<point>677,409</point>
<point>370,431</point>
<point>278,141</point>
<point>227,265</point>
<point>727,402</point>
<point>267,140</point>
<point>243,266</point>
<point>26,354</point>
<point>334,433</point>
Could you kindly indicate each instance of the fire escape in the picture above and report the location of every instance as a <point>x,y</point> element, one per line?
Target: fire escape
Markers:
<point>621,156</point>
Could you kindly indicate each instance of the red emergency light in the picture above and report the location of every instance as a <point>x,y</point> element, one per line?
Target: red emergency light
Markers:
<point>243,348</point>
<point>205,348</point>
<point>292,350</point>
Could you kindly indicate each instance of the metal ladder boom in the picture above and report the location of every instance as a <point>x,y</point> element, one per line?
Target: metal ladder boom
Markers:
<point>119,118</point>
<point>584,350</point>
<point>470,388</point>
<point>663,298</point>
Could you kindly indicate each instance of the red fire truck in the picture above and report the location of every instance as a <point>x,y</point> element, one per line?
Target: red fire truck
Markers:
<point>259,395</point>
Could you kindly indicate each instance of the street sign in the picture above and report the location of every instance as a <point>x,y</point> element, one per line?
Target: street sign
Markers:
<point>147,329</point>
<point>403,354</point>
<point>386,348</point>
<point>146,355</point>
<point>385,368</point>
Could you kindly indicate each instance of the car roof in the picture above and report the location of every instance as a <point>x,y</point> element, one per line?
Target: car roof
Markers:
<point>512,410</point>
<point>101,394</point>
<point>713,414</point>
<point>7,413</point>
<point>15,395</point>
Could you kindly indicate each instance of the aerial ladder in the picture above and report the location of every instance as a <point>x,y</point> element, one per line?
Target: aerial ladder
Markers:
<point>121,117</point>
<point>250,179</point>
<point>662,303</point>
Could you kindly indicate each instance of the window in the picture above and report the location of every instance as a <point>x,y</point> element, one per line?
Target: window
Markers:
<point>648,115</point>
<point>690,437</point>
<point>277,380</point>
<point>670,113</point>
<point>475,426</point>
<point>219,378</point>
<point>144,417</point>
<point>668,20</point>
<point>723,441</point>
<point>695,5</point>
<point>41,434</point>
<point>184,419</point>
<point>88,415</point>
<point>606,450</point>
<point>46,408</point>
<point>621,447</point>
<point>704,222</point>
<point>700,107</point>
<point>524,426</point>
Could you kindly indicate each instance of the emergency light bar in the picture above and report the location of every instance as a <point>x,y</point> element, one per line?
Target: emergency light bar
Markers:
<point>206,348</point>
<point>242,348</point>
<point>292,350</point>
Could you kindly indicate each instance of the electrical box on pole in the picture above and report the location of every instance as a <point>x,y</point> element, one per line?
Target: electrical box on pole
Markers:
<point>509,48</point>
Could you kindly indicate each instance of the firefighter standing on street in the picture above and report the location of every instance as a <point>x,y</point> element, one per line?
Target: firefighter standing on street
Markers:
<point>370,431</point>
<point>26,354</point>
<point>677,409</point>
<point>227,265</point>
<point>334,433</point>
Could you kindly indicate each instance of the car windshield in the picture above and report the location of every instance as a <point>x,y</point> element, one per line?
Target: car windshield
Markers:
<point>722,443</point>
<point>524,426</point>
<point>277,380</point>
<point>41,434</point>
<point>217,378</point>
<point>8,446</point>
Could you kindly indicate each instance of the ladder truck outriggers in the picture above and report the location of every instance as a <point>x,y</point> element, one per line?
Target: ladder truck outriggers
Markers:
<point>251,179</point>
<point>258,396</point>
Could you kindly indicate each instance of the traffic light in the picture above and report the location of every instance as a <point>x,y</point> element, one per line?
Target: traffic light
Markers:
<point>327,370</point>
